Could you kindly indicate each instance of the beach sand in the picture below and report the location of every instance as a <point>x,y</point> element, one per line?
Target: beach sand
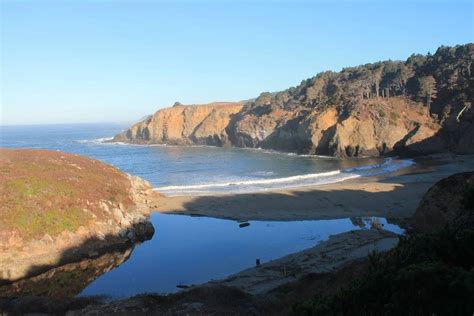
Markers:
<point>325,257</point>
<point>393,196</point>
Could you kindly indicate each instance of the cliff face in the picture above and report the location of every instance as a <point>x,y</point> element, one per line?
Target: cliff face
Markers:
<point>181,125</point>
<point>378,127</point>
<point>421,105</point>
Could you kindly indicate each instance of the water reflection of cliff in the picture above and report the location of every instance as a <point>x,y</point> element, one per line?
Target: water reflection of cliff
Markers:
<point>68,280</point>
<point>367,222</point>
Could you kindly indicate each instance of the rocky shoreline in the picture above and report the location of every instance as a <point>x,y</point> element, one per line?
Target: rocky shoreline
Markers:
<point>111,226</point>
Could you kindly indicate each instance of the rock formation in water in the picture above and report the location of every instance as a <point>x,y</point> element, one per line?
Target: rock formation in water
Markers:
<point>421,105</point>
<point>57,208</point>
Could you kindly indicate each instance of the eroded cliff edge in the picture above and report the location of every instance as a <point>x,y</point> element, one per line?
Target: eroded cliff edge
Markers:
<point>57,208</point>
<point>418,106</point>
<point>184,125</point>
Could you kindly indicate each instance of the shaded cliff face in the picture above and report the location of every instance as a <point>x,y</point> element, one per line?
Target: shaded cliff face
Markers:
<point>195,124</point>
<point>418,106</point>
<point>375,127</point>
<point>449,201</point>
<point>57,208</point>
<point>68,280</point>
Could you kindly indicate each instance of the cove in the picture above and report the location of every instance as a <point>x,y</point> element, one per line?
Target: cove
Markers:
<point>187,250</point>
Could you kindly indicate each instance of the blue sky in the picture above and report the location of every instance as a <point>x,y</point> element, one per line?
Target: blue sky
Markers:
<point>97,61</point>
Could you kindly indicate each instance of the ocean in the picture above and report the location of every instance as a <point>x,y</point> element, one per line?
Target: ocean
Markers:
<point>189,250</point>
<point>177,170</point>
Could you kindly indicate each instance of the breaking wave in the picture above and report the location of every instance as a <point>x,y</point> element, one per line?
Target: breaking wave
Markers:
<point>263,184</point>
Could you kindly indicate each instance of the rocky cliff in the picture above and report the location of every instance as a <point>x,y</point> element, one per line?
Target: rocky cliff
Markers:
<point>57,208</point>
<point>449,201</point>
<point>183,125</point>
<point>377,127</point>
<point>421,105</point>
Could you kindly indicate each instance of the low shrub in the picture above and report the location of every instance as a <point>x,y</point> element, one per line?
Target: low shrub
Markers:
<point>429,274</point>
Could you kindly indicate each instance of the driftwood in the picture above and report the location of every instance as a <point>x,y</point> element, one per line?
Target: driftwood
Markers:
<point>458,117</point>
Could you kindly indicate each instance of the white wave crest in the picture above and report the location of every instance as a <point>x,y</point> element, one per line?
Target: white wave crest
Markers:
<point>250,182</point>
<point>255,185</point>
<point>102,140</point>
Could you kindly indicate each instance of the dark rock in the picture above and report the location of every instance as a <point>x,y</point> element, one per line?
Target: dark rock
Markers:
<point>444,204</point>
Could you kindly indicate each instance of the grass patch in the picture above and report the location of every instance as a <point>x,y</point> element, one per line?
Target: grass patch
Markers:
<point>28,186</point>
<point>53,222</point>
<point>45,192</point>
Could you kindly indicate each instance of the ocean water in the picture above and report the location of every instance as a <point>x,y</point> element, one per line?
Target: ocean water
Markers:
<point>175,170</point>
<point>189,250</point>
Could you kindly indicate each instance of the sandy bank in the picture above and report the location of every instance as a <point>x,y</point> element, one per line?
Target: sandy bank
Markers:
<point>393,196</point>
<point>327,256</point>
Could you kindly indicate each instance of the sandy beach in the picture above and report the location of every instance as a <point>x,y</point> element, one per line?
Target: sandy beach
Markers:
<point>393,196</point>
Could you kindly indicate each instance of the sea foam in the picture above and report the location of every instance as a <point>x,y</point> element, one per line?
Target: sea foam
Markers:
<point>264,184</point>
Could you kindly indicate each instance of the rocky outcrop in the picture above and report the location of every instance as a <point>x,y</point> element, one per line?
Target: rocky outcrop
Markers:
<point>377,127</point>
<point>446,202</point>
<point>183,125</point>
<point>57,208</point>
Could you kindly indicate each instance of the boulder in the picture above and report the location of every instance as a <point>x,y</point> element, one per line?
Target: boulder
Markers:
<point>445,203</point>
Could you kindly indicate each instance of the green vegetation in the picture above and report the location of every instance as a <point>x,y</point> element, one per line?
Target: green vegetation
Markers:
<point>440,81</point>
<point>34,203</point>
<point>35,187</point>
<point>46,192</point>
<point>36,222</point>
<point>429,274</point>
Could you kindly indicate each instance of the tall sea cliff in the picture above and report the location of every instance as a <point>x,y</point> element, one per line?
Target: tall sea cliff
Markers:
<point>418,106</point>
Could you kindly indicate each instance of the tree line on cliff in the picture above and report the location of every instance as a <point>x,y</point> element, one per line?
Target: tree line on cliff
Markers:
<point>442,81</point>
<point>418,106</point>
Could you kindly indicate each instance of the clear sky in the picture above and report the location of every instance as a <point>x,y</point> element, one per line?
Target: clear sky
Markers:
<point>101,60</point>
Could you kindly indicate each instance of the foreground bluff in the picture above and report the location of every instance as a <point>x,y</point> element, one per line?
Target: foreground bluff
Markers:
<point>421,105</point>
<point>57,208</point>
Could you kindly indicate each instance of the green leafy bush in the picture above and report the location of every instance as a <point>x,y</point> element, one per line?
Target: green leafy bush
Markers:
<point>430,274</point>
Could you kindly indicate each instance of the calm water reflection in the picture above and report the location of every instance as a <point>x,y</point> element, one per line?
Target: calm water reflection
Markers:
<point>186,250</point>
<point>68,280</point>
<point>191,250</point>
